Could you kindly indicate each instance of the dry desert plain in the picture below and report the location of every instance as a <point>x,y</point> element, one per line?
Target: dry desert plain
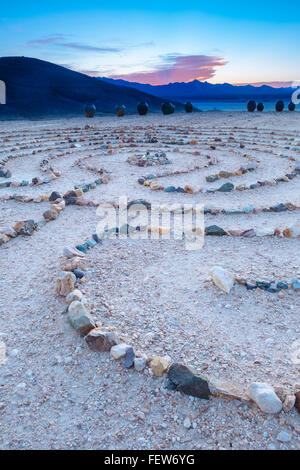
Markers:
<point>55,392</point>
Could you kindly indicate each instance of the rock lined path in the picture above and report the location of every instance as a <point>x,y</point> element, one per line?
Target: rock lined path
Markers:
<point>55,393</point>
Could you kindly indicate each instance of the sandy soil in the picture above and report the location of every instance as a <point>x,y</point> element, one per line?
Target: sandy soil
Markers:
<point>54,392</point>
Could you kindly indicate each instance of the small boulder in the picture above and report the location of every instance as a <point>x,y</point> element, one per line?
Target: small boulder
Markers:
<point>50,215</point>
<point>3,239</point>
<point>101,339</point>
<point>265,232</point>
<point>9,232</point>
<point>296,285</point>
<point>70,252</point>
<point>187,381</point>
<point>293,231</point>
<point>129,358</point>
<point>65,283</point>
<point>119,350</point>
<point>214,230</point>
<point>159,365</point>
<point>140,363</point>
<point>80,318</point>
<point>289,402</point>
<point>26,227</point>
<point>54,195</point>
<point>73,263</point>
<point>70,194</point>
<point>265,397</point>
<point>222,278</point>
<point>79,273</point>
<point>284,436</point>
<point>226,188</point>
<point>76,294</point>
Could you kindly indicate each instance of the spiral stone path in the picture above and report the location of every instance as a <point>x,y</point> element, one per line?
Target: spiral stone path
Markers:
<point>54,391</point>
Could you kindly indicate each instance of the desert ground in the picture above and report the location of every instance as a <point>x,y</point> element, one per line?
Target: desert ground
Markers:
<point>55,393</point>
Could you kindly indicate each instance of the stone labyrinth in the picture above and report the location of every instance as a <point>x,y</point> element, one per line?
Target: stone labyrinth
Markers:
<point>152,302</point>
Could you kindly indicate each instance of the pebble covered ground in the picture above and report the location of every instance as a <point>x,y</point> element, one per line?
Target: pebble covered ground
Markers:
<point>57,394</point>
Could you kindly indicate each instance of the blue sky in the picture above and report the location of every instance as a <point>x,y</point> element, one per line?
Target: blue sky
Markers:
<point>249,42</point>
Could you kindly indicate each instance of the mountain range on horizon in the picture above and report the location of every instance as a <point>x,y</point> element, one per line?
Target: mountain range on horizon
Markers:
<point>37,88</point>
<point>196,90</point>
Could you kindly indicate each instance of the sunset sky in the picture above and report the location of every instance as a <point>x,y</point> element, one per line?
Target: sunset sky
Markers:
<point>160,42</point>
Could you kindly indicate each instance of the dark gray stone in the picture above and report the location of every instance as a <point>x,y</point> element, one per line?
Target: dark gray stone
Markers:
<point>226,188</point>
<point>78,273</point>
<point>188,381</point>
<point>264,285</point>
<point>211,178</point>
<point>282,285</point>
<point>278,208</point>
<point>272,288</point>
<point>215,230</point>
<point>54,195</point>
<point>129,358</point>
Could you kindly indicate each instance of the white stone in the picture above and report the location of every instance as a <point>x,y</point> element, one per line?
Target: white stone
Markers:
<point>119,350</point>
<point>140,363</point>
<point>264,232</point>
<point>3,238</point>
<point>284,436</point>
<point>265,397</point>
<point>222,278</point>
<point>76,294</point>
<point>70,252</point>
<point>187,423</point>
<point>289,402</point>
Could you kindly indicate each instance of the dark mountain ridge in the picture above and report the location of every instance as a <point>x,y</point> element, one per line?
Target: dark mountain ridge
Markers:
<point>204,90</point>
<point>36,88</point>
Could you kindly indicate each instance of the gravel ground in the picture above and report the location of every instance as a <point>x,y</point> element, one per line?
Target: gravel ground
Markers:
<point>54,392</point>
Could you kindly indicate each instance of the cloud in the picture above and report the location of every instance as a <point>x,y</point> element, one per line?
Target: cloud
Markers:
<point>60,40</point>
<point>178,68</point>
<point>46,40</point>
<point>86,47</point>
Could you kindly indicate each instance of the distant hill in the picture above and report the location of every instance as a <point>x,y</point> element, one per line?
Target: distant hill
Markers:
<point>36,88</point>
<point>203,90</point>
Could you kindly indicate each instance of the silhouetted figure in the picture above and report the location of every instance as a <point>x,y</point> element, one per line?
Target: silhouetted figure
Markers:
<point>188,107</point>
<point>120,110</point>
<point>90,110</point>
<point>279,106</point>
<point>142,108</point>
<point>260,107</point>
<point>292,106</point>
<point>251,106</point>
<point>167,108</point>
